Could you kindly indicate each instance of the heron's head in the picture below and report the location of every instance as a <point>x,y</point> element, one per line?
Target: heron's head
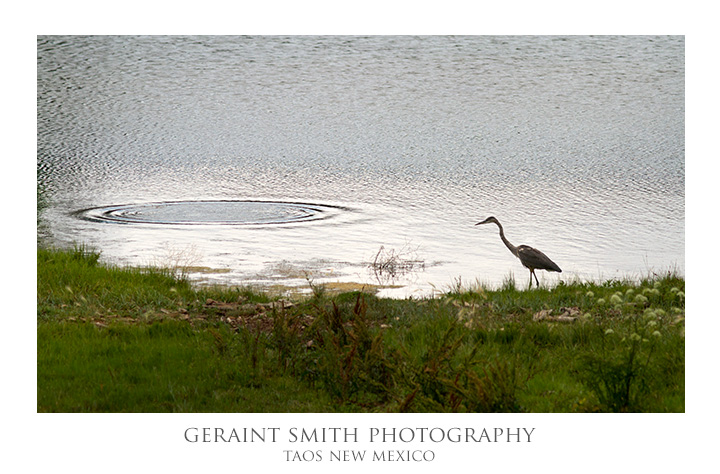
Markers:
<point>488,221</point>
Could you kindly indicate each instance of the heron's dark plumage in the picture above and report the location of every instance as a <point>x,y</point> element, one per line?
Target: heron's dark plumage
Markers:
<point>533,258</point>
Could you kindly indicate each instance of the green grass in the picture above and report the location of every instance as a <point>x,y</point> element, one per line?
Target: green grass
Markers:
<point>139,340</point>
<point>161,367</point>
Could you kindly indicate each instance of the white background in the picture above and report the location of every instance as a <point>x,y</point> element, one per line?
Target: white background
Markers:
<point>110,443</point>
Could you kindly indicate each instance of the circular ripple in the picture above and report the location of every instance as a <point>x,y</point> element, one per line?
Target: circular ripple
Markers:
<point>211,212</point>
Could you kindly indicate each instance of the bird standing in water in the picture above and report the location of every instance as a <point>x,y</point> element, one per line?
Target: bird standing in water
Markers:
<point>531,258</point>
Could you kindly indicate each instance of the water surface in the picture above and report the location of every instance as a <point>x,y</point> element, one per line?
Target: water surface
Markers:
<point>575,144</point>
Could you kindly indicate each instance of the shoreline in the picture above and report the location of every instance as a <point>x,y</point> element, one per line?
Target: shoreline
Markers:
<point>121,339</point>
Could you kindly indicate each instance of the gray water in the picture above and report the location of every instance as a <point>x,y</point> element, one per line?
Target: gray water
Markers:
<point>575,144</point>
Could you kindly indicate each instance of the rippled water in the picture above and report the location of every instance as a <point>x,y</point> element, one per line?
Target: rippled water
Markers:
<point>575,144</point>
<point>246,213</point>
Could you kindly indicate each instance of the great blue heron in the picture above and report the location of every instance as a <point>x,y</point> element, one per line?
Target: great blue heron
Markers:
<point>531,258</point>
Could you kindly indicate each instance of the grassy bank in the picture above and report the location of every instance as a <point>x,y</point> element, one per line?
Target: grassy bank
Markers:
<point>112,339</point>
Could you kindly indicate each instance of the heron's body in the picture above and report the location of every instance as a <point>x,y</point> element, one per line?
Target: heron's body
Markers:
<point>530,257</point>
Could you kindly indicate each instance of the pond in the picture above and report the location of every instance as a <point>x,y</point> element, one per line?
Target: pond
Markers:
<point>282,160</point>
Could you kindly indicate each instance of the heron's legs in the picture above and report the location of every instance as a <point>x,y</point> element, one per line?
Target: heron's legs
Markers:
<point>532,274</point>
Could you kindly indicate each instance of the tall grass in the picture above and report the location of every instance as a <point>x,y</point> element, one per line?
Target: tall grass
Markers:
<point>120,339</point>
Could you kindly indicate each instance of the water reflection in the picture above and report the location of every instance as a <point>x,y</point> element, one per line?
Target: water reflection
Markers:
<point>390,266</point>
<point>577,144</point>
<point>246,213</point>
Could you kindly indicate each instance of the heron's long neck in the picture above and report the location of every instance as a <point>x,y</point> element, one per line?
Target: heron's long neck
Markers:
<point>510,246</point>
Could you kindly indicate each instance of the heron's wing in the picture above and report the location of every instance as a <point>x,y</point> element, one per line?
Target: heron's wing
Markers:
<point>533,258</point>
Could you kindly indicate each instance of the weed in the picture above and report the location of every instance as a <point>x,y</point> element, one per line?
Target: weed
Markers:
<point>121,339</point>
<point>389,264</point>
<point>622,371</point>
<point>85,254</point>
